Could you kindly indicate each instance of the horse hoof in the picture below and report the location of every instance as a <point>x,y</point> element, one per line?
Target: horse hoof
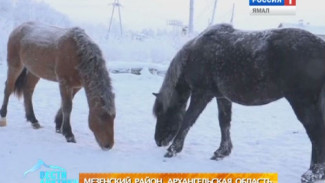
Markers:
<point>170,154</point>
<point>58,131</point>
<point>71,139</point>
<point>36,125</point>
<point>3,122</point>
<point>315,175</point>
<point>217,157</point>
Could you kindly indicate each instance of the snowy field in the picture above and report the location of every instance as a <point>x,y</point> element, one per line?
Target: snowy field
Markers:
<point>266,139</point>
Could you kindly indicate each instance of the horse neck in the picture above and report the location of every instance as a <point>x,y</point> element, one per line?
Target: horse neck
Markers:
<point>98,89</point>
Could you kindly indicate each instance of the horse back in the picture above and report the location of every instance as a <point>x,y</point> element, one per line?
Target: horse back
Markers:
<point>254,67</point>
<point>46,51</point>
<point>232,64</point>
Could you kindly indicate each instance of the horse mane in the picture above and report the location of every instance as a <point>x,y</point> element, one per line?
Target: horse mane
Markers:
<point>167,92</point>
<point>92,69</point>
<point>168,89</point>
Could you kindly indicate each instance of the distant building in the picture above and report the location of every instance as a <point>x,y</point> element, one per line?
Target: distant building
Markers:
<point>317,30</point>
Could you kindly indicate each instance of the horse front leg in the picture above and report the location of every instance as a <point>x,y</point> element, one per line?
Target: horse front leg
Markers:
<point>224,108</point>
<point>58,121</point>
<point>59,115</point>
<point>198,102</point>
<point>66,106</point>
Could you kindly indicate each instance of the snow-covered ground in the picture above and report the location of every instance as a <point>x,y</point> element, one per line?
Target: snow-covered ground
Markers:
<point>266,139</point>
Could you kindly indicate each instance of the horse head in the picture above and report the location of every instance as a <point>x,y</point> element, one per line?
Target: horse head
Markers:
<point>168,121</point>
<point>101,123</point>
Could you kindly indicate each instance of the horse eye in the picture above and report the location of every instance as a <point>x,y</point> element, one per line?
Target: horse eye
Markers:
<point>158,109</point>
<point>103,116</point>
<point>159,113</point>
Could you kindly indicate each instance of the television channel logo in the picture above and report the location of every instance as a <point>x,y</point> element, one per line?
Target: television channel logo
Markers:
<point>272,7</point>
<point>53,174</point>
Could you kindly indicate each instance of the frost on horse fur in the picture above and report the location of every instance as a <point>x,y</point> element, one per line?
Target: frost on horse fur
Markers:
<point>66,56</point>
<point>248,68</point>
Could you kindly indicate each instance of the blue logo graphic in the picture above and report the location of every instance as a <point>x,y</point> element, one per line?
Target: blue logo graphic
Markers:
<point>55,175</point>
<point>39,165</point>
<point>266,2</point>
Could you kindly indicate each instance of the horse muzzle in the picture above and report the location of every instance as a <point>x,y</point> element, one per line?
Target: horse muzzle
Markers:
<point>164,142</point>
<point>107,147</point>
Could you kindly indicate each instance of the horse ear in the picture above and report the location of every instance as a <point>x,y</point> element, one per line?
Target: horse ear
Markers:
<point>155,94</point>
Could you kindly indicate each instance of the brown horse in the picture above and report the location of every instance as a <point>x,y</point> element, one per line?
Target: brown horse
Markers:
<point>69,57</point>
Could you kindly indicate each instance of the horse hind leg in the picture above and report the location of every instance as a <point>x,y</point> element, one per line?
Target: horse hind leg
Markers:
<point>28,90</point>
<point>310,112</point>
<point>13,73</point>
<point>224,108</point>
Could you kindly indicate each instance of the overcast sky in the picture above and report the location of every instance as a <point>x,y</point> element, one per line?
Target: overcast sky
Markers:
<point>140,14</point>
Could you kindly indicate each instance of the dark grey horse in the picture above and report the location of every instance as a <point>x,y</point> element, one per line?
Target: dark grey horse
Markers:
<point>249,68</point>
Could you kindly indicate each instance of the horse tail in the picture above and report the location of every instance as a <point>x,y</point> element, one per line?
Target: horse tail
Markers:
<point>169,87</point>
<point>20,83</point>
